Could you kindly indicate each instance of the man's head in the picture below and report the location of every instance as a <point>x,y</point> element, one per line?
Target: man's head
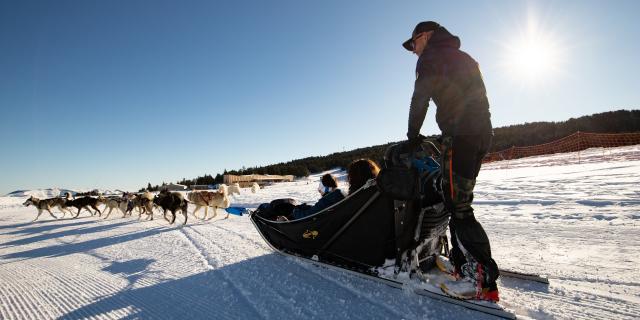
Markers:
<point>420,36</point>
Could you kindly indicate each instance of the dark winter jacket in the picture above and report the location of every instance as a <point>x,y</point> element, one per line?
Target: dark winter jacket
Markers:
<point>453,80</point>
<point>326,201</point>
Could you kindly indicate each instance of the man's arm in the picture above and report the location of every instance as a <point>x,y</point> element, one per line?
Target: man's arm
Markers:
<point>419,101</point>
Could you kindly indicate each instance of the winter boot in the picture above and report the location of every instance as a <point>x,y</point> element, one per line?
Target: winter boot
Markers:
<point>445,266</point>
<point>471,283</point>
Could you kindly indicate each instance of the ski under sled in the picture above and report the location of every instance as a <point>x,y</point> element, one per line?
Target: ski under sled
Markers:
<point>524,276</point>
<point>447,268</point>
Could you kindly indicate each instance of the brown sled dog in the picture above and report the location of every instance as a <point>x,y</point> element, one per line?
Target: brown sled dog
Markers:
<point>47,204</point>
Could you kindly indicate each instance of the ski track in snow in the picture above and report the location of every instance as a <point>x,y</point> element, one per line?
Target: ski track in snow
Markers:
<point>573,217</point>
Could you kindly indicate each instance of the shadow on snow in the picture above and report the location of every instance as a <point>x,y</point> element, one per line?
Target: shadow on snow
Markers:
<point>64,249</point>
<point>264,287</point>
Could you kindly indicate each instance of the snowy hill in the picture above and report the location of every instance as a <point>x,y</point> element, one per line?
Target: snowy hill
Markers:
<point>57,192</point>
<point>41,193</point>
<point>574,217</point>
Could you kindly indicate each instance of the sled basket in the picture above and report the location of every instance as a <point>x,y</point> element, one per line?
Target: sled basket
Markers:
<point>356,231</point>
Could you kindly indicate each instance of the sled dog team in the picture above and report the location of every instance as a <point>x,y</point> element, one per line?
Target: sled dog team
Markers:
<point>172,202</point>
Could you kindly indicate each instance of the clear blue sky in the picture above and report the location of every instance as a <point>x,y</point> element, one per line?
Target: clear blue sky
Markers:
<point>121,93</point>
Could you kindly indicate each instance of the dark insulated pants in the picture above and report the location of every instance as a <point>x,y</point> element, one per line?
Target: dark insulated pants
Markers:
<point>460,163</point>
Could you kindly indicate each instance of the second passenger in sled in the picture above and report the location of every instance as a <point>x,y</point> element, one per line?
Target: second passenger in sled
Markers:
<point>331,194</point>
<point>359,172</point>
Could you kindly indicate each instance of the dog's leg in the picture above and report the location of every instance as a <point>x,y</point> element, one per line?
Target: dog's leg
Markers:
<point>149,210</point>
<point>60,209</point>
<point>195,216</point>
<point>85,207</point>
<point>129,207</point>
<point>98,210</point>
<point>65,210</point>
<point>184,212</point>
<point>215,213</point>
<point>38,216</point>
<point>173,217</point>
<point>108,213</point>
<point>77,214</point>
<point>51,213</point>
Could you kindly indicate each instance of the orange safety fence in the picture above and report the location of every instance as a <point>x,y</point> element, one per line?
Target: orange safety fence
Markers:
<point>575,142</point>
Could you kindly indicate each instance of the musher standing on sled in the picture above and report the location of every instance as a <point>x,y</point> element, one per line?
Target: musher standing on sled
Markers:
<point>453,80</point>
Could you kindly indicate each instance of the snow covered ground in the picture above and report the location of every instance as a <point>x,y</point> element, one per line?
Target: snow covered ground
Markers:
<point>574,217</point>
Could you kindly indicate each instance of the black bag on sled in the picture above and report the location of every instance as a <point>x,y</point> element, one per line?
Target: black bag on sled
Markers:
<point>278,207</point>
<point>387,218</point>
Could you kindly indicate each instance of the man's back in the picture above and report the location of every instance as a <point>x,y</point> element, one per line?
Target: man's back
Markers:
<point>457,86</point>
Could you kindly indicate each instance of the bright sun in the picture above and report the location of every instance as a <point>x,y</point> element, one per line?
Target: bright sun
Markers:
<point>532,57</point>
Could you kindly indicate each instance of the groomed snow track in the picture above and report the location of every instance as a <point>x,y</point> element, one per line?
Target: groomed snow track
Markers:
<point>574,219</point>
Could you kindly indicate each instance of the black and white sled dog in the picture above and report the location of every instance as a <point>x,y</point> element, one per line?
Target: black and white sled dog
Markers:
<point>144,203</point>
<point>172,201</point>
<point>86,203</point>
<point>47,204</point>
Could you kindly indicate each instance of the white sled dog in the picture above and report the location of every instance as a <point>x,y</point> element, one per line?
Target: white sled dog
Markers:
<point>234,188</point>
<point>206,199</point>
<point>47,204</point>
<point>255,187</point>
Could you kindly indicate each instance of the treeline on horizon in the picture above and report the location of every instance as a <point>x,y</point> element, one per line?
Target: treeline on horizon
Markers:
<point>520,135</point>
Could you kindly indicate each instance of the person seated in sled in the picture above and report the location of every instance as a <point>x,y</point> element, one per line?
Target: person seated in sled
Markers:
<point>331,194</point>
<point>359,172</point>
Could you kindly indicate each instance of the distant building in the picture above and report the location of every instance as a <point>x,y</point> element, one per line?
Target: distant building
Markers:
<point>174,187</point>
<point>246,181</point>
<point>202,187</point>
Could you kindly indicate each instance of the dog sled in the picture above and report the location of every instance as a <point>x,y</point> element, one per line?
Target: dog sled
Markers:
<point>388,218</point>
<point>394,224</point>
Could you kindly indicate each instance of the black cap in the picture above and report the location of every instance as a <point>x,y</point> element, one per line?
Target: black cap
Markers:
<point>424,26</point>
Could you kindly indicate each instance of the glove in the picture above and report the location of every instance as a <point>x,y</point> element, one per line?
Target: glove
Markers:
<point>415,142</point>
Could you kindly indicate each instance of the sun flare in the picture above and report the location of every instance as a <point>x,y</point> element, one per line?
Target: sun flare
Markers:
<point>533,55</point>
<point>531,58</point>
